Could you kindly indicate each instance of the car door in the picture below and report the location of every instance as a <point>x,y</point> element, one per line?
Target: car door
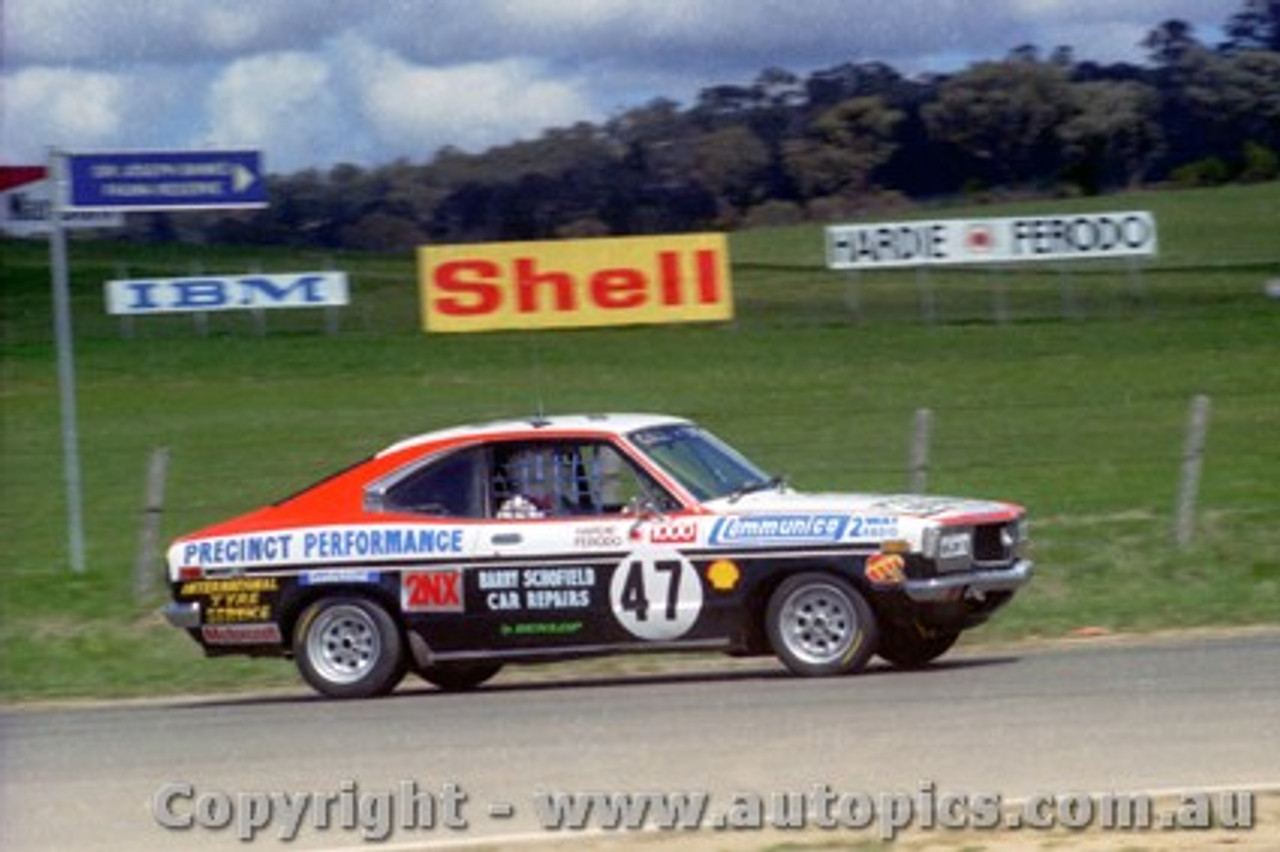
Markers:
<point>570,562</point>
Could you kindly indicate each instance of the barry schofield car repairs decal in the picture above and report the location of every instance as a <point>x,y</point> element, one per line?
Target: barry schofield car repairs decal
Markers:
<point>535,589</point>
<point>656,594</point>
<point>320,545</point>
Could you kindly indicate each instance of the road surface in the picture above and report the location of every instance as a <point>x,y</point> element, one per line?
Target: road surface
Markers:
<point>1152,715</point>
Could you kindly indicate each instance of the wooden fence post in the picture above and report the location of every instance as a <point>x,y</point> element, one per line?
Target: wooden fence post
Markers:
<point>1192,461</point>
<point>918,463</point>
<point>149,535</point>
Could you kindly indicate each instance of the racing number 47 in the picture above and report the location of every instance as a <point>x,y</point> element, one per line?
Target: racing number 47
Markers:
<point>635,595</point>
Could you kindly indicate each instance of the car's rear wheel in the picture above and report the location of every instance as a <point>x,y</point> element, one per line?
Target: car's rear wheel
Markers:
<point>912,647</point>
<point>349,647</point>
<point>460,675</point>
<point>820,625</point>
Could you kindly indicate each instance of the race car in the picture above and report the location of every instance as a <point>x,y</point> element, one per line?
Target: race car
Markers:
<point>456,552</point>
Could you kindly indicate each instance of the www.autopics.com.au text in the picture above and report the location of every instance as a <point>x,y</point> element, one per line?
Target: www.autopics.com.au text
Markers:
<point>375,814</point>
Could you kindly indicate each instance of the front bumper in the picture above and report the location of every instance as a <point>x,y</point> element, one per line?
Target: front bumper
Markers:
<point>183,614</point>
<point>969,583</point>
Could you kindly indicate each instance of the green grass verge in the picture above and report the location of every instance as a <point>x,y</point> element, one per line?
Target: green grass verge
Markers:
<point>1073,402</point>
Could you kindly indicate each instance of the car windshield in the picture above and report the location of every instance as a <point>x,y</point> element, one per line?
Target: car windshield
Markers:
<point>706,466</point>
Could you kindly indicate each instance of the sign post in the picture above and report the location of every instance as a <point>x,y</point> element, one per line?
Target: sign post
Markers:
<point>62,333</point>
<point>124,182</point>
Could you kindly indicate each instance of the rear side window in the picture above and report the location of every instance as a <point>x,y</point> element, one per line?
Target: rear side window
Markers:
<point>451,487</point>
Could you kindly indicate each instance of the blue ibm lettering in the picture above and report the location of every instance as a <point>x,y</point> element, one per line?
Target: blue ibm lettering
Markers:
<point>199,294</point>
<point>178,295</point>
<point>140,296</point>
<point>778,528</point>
<point>309,288</point>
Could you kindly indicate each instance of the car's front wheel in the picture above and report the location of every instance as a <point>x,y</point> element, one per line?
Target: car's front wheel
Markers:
<point>349,647</point>
<point>460,675</point>
<point>820,625</point>
<point>913,647</point>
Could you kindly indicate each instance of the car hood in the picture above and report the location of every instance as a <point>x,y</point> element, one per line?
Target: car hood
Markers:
<point>937,509</point>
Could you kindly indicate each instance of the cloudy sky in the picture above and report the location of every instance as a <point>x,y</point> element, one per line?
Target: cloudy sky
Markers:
<point>317,82</point>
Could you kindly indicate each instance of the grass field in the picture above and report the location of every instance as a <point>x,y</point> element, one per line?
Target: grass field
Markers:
<point>1072,401</point>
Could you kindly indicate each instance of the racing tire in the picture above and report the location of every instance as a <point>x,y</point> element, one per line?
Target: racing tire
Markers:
<point>913,647</point>
<point>349,647</point>
<point>819,625</point>
<point>459,676</point>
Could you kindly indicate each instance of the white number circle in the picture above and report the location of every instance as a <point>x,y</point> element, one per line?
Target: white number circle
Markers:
<point>656,594</point>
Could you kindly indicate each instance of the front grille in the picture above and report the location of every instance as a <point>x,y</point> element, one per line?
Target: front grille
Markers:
<point>993,543</point>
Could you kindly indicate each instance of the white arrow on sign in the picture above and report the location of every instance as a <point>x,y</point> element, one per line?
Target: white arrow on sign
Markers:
<point>242,178</point>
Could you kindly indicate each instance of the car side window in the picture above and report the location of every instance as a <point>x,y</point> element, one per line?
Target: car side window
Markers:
<point>551,479</point>
<point>449,487</point>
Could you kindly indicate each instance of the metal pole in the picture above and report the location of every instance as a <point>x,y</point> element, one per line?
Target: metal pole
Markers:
<point>64,342</point>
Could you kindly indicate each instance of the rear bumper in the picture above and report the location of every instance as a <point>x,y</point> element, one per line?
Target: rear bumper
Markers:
<point>183,614</point>
<point>969,583</point>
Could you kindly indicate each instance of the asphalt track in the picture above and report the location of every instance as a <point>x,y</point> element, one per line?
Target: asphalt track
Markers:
<point>1141,716</point>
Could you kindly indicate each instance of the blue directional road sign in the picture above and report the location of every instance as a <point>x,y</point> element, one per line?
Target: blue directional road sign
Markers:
<point>165,180</point>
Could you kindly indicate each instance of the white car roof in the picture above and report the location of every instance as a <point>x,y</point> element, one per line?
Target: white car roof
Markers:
<point>613,424</point>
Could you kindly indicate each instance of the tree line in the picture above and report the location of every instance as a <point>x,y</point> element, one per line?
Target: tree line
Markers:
<point>851,139</point>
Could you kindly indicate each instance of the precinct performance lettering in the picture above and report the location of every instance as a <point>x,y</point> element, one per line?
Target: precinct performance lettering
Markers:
<point>321,545</point>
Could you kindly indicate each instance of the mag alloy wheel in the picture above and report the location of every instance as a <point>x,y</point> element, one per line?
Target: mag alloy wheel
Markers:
<point>820,625</point>
<point>349,648</point>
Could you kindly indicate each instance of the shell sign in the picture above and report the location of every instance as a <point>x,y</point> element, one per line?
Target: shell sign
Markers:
<point>576,283</point>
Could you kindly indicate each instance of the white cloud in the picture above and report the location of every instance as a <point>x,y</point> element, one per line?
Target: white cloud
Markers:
<point>286,104</point>
<point>69,109</point>
<point>415,109</point>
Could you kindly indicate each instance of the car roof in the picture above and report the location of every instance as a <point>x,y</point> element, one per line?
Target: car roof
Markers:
<point>600,424</point>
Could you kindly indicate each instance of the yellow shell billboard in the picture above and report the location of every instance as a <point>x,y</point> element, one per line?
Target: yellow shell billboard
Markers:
<point>575,283</point>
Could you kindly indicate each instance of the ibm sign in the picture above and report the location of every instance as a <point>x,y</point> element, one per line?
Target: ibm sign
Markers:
<point>227,293</point>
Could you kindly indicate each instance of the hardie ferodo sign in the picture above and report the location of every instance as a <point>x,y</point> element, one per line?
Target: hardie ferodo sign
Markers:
<point>1082,236</point>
